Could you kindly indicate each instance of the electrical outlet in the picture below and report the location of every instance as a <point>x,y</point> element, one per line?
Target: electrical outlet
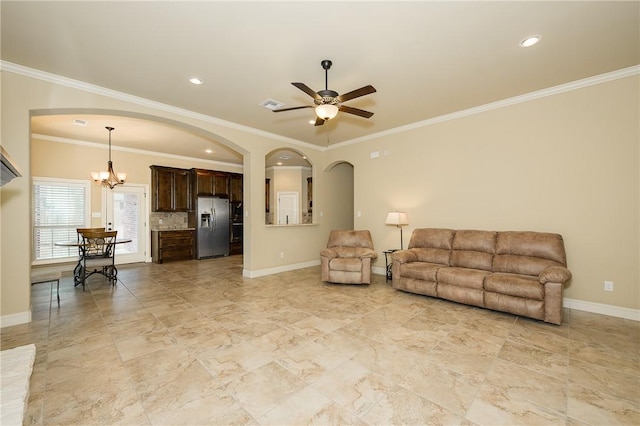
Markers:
<point>608,286</point>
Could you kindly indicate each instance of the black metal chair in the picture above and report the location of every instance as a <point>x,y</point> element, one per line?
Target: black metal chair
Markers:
<point>77,276</point>
<point>98,255</point>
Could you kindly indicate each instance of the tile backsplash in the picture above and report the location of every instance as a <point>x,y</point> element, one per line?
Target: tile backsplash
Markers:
<point>163,221</point>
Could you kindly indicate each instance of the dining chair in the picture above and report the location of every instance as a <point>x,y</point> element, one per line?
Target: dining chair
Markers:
<point>98,255</point>
<point>78,268</point>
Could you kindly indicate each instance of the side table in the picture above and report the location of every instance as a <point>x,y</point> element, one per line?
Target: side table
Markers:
<point>388,264</point>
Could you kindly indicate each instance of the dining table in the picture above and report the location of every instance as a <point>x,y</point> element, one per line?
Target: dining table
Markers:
<point>77,270</point>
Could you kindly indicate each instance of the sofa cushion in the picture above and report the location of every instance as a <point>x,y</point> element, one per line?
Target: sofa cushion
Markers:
<point>473,249</point>
<point>458,294</point>
<point>515,305</point>
<point>420,270</point>
<point>350,264</point>
<point>524,265</point>
<point>514,285</point>
<point>467,239</point>
<point>432,255</point>
<point>462,277</point>
<point>432,238</point>
<point>472,259</point>
<point>411,285</point>
<point>357,252</point>
<point>350,238</point>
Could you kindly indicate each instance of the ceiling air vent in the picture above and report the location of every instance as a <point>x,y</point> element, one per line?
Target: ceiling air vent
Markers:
<point>79,122</point>
<point>271,104</point>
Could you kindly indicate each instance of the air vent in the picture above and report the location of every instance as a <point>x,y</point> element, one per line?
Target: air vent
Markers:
<point>271,104</point>
<point>79,122</point>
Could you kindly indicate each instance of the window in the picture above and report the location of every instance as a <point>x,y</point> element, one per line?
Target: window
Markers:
<point>59,207</point>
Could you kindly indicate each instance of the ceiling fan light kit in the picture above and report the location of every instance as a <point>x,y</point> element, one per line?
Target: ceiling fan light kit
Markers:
<point>329,102</point>
<point>326,111</point>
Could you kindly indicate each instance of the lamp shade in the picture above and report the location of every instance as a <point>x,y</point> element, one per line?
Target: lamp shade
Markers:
<point>326,111</point>
<point>397,218</point>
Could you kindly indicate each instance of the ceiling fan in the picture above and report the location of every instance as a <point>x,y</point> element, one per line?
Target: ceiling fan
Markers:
<point>328,102</point>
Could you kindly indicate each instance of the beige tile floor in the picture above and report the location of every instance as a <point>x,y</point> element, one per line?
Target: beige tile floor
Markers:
<point>196,343</point>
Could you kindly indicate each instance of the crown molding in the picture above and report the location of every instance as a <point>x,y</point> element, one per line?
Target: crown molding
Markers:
<point>102,91</point>
<point>91,88</point>
<point>567,87</point>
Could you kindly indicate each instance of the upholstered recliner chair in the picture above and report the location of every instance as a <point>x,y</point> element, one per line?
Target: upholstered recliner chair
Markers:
<point>347,258</point>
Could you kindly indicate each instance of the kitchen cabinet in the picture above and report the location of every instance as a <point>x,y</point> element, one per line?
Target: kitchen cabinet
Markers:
<point>235,184</point>
<point>170,189</point>
<point>209,182</point>
<point>172,245</point>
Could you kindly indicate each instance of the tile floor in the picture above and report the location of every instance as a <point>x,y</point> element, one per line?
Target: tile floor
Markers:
<point>196,343</point>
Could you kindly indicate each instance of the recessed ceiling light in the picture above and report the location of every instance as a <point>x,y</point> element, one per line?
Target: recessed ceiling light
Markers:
<point>208,151</point>
<point>279,163</point>
<point>530,41</point>
<point>312,121</point>
<point>195,80</point>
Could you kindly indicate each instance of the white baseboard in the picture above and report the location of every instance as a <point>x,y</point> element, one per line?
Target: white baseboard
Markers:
<point>276,270</point>
<point>15,319</point>
<point>600,308</point>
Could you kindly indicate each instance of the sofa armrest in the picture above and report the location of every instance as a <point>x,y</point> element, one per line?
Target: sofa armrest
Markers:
<point>404,256</point>
<point>328,253</point>
<point>555,274</point>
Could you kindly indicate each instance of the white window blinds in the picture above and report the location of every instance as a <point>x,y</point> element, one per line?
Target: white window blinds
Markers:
<point>59,207</point>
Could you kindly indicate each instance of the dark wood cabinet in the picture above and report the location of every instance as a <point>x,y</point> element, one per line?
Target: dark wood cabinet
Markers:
<point>209,182</point>
<point>170,189</point>
<point>177,190</point>
<point>235,186</point>
<point>204,182</point>
<point>222,184</point>
<point>172,245</point>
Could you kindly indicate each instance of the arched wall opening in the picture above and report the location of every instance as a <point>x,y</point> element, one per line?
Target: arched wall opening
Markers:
<point>62,157</point>
<point>288,187</point>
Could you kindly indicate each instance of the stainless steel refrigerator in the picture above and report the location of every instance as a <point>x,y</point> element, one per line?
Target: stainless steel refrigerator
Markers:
<point>213,227</point>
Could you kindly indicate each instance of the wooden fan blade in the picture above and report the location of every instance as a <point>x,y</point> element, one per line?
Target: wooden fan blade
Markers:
<point>319,121</point>
<point>292,108</point>
<point>366,90</point>
<point>355,111</point>
<point>306,89</point>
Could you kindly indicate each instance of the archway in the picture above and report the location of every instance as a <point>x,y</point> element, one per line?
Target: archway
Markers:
<point>131,153</point>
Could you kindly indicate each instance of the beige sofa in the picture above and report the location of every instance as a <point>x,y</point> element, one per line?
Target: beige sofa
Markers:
<point>347,258</point>
<point>518,272</point>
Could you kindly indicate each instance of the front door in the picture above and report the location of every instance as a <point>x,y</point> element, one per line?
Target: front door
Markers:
<point>125,211</point>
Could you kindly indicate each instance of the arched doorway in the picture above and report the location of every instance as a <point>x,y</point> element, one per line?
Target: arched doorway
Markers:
<point>70,143</point>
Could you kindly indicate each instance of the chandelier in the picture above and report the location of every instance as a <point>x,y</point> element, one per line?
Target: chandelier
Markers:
<point>108,178</point>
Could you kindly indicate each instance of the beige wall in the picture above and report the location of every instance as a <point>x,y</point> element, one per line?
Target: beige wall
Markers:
<point>21,96</point>
<point>566,163</point>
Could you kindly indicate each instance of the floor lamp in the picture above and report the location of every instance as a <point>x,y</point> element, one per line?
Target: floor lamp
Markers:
<point>398,219</point>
